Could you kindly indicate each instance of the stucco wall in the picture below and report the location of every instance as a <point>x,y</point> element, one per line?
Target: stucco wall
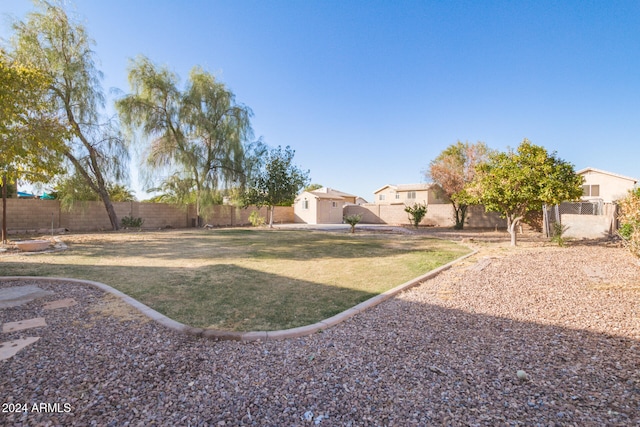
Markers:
<point>612,187</point>
<point>422,196</point>
<point>307,216</point>
<point>587,226</point>
<point>327,213</point>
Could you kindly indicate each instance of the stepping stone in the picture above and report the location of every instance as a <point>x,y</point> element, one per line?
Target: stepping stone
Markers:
<point>61,303</point>
<point>10,348</point>
<point>480,265</point>
<point>18,295</point>
<point>23,324</point>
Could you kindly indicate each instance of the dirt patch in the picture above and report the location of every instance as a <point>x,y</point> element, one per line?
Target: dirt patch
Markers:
<point>112,306</point>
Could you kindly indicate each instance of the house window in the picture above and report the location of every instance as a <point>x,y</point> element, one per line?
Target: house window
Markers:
<point>411,195</point>
<point>381,197</point>
<point>305,204</point>
<point>334,204</point>
<point>591,190</point>
<point>397,196</point>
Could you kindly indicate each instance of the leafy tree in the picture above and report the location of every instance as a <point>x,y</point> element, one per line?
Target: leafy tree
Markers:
<point>416,213</point>
<point>62,50</point>
<point>74,188</point>
<point>277,183</point>
<point>521,181</point>
<point>31,134</point>
<point>313,187</point>
<point>453,170</point>
<point>198,136</point>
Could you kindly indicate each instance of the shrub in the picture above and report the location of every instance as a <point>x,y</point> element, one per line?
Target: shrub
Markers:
<point>256,219</point>
<point>557,233</point>
<point>352,220</point>
<point>131,222</point>
<point>629,218</point>
<point>416,213</point>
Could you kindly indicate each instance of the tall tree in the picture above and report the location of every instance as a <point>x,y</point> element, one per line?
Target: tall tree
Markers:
<point>31,135</point>
<point>277,183</point>
<point>517,182</point>
<point>453,170</point>
<point>61,48</point>
<point>198,136</point>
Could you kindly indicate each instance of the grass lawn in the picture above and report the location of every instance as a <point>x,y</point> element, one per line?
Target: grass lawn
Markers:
<point>242,279</point>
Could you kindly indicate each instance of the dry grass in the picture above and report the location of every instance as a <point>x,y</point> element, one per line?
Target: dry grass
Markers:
<point>242,279</point>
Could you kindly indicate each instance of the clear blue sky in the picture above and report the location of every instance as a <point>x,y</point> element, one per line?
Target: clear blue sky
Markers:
<point>369,92</point>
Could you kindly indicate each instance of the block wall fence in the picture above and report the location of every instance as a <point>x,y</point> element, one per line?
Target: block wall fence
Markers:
<point>439,215</point>
<point>34,214</point>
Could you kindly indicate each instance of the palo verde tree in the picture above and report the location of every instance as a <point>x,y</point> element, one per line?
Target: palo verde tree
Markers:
<point>32,136</point>
<point>453,170</point>
<point>517,182</point>
<point>61,49</point>
<point>277,183</point>
<point>198,136</point>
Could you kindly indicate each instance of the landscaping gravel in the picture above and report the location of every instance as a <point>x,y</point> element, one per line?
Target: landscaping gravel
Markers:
<point>532,336</point>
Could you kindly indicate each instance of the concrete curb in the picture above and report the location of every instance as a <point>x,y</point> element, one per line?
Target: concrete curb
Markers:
<point>253,335</point>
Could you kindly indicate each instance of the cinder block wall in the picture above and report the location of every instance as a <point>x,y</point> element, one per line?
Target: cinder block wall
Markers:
<point>33,214</point>
<point>439,215</point>
<point>477,217</point>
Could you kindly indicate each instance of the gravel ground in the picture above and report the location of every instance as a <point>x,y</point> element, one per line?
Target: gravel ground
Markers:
<point>444,353</point>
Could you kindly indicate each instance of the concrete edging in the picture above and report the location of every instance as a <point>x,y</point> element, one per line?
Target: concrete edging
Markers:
<point>253,335</point>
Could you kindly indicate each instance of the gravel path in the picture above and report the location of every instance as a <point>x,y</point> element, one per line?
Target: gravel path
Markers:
<point>444,353</point>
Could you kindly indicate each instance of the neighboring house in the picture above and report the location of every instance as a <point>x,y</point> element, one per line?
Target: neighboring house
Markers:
<point>408,194</point>
<point>322,206</point>
<point>605,186</point>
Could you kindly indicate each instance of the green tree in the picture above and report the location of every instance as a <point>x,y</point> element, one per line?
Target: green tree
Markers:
<point>31,135</point>
<point>197,136</point>
<point>313,187</point>
<point>453,170</point>
<point>517,182</point>
<point>277,183</point>
<point>416,213</point>
<point>61,48</point>
<point>71,189</point>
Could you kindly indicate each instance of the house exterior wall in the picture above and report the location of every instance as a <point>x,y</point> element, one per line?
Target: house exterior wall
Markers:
<point>302,215</point>
<point>328,213</point>
<point>422,196</point>
<point>612,187</point>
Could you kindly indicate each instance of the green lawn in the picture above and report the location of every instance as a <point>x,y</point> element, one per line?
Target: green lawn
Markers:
<point>242,279</point>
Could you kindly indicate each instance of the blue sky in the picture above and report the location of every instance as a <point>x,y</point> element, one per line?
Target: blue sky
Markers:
<point>369,92</point>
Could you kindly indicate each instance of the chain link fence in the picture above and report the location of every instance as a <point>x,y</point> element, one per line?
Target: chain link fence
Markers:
<point>553,213</point>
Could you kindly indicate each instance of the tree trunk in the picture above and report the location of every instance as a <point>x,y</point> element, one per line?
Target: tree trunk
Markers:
<point>98,187</point>
<point>113,218</point>
<point>513,231</point>
<point>4,208</point>
<point>271,209</point>
<point>461,214</point>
